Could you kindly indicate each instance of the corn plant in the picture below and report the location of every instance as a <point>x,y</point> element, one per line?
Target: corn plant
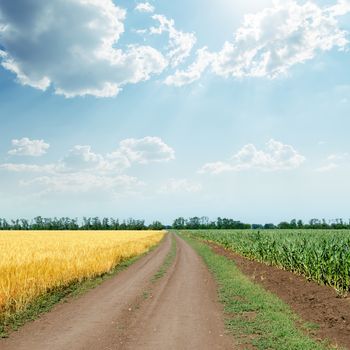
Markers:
<point>319,255</point>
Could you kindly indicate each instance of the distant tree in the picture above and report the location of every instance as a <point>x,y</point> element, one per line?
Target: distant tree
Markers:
<point>38,223</point>
<point>193,223</point>
<point>96,223</point>
<point>179,223</point>
<point>283,225</point>
<point>133,224</point>
<point>300,224</point>
<point>204,222</point>
<point>105,224</point>
<point>293,224</point>
<point>86,223</point>
<point>156,225</point>
<point>114,224</point>
<point>219,223</point>
<point>315,224</point>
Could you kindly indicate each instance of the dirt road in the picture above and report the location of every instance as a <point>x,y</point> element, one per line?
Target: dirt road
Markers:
<point>179,311</point>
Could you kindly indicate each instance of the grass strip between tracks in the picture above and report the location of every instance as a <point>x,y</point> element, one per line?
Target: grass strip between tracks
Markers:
<point>256,318</point>
<point>47,301</point>
<point>167,262</point>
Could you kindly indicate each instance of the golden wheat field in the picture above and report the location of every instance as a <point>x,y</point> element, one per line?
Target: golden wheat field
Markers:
<point>34,262</point>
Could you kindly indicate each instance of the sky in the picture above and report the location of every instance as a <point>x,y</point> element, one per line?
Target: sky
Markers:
<point>163,109</point>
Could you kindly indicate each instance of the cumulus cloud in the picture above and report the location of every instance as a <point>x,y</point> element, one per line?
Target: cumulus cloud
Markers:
<point>144,7</point>
<point>72,46</point>
<point>27,147</point>
<point>269,43</point>
<point>341,8</point>
<point>275,156</point>
<point>180,43</point>
<point>146,150</point>
<point>83,170</point>
<point>174,186</point>
<point>194,71</point>
<point>82,158</point>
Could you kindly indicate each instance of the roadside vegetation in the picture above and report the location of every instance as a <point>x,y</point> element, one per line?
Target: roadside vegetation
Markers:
<point>256,318</point>
<point>319,255</point>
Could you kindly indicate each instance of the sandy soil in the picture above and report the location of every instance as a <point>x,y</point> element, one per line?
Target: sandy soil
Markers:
<point>180,312</point>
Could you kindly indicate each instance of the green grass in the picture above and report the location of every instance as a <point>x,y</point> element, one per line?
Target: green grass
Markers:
<point>255,317</point>
<point>169,259</point>
<point>47,301</point>
<point>167,262</point>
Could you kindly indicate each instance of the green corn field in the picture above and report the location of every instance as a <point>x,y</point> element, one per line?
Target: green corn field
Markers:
<point>319,255</point>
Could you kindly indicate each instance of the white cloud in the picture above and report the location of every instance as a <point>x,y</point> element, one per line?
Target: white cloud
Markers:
<point>180,43</point>
<point>269,43</point>
<point>83,170</point>
<point>82,158</point>
<point>83,182</point>
<point>146,150</point>
<point>328,167</point>
<point>144,7</point>
<point>27,147</point>
<point>71,46</point>
<point>29,168</point>
<point>193,72</point>
<point>217,168</point>
<point>174,186</point>
<point>141,31</point>
<point>276,156</point>
<point>338,157</point>
<point>342,7</point>
<point>335,161</point>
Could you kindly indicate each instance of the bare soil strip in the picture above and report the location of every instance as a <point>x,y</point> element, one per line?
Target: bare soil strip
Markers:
<point>312,302</point>
<point>182,312</point>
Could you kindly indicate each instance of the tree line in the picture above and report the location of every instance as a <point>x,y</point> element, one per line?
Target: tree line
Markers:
<point>197,223</point>
<point>225,224</point>
<point>193,223</point>
<point>87,223</point>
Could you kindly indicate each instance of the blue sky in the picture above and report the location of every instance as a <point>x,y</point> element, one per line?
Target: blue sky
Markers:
<point>162,109</point>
